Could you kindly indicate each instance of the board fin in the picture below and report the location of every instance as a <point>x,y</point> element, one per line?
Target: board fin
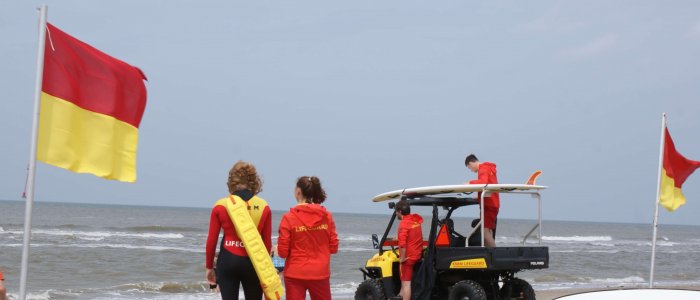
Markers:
<point>533,178</point>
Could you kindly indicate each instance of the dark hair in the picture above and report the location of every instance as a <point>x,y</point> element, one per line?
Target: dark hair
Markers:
<point>470,158</point>
<point>311,189</point>
<point>243,175</point>
<point>403,207</point>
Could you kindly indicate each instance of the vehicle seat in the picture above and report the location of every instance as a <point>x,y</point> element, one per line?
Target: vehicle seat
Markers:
<point>456,239</point>
<point>475,238</point>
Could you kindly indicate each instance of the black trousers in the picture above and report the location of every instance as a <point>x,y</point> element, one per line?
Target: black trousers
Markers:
<point>233,271</point>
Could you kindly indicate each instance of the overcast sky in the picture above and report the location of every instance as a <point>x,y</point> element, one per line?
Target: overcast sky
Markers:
<point>373,96</point>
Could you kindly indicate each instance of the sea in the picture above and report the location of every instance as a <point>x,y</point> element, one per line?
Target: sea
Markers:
<point>91,251</point>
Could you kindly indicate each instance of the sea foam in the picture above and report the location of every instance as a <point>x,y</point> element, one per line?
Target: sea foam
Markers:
<point>105,234</point>
<point>576,238</point>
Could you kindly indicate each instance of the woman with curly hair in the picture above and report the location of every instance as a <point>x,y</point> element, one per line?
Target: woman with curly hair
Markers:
<point>307,238</point>
<point>233,266</point>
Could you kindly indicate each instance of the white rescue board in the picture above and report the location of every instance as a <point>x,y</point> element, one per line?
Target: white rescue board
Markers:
<point>457,188</point>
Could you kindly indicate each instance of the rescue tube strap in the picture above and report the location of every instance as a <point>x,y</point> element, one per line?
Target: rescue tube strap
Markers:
<point>254,246</point>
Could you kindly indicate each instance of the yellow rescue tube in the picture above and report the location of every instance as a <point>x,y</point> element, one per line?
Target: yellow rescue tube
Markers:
<point>249,235</point>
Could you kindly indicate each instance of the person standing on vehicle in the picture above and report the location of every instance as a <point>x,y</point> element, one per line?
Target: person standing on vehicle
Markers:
<point>307,238</point>
<point>486,174</point>
<point>233,266</point>
<point>410,242</point>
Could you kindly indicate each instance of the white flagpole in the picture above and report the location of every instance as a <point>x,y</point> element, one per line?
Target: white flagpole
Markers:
<point>32,153</point>
<point>658,190</point>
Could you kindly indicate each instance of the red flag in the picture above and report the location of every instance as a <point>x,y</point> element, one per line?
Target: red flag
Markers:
<point>676,170</point>
<point>91,108</point>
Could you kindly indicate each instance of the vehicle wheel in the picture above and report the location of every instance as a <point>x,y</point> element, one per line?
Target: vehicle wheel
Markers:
<point>517,289</point>
<point>370,289</point>
<point>467,289</point>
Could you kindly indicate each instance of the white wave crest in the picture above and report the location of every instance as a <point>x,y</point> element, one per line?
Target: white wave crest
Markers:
<point>658,243</point>
<point>20,245</point>
<point>630,279</point>
<point>354,249</point>
<point>91,238</point>
<point>577,238</point>
<point>666,244</point>
<point>120,246</point>
<point>127,246</point>
<point>105,234</point>
<point>347,288</point>
<point>602,251</point>
<point>31,296</point>
<point>354,237</point>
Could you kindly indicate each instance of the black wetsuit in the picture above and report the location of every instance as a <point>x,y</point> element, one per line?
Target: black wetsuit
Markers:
<point>232,270</point>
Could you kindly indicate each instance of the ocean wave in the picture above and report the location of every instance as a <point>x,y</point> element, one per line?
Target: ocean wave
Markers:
<point>576,238</point>
<point>355,237</point>
<point>33,296</point>
<point>159,228</point>
<point>556,278</point>
<point>658,243</point>
<point>118,246</point>
<point>611,251</point>
<point>629,279</point>
<point>127,246</point>
<point>665,244</point>
<point>602,251</point>
<point>105,234</point>
<point>31,244</point>
<point>165,287</point>
<point>354,249</point>
<point>69,226</point>
<point>602,244</point>
<point>342,289</point>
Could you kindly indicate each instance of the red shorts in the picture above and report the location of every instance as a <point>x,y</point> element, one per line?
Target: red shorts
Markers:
<point>406,270</point>
<point>490,214</point>
<point>318,289</point>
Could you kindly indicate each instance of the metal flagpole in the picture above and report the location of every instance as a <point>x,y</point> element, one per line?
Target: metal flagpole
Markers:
<point>658,190</point>
<point>32,153</point>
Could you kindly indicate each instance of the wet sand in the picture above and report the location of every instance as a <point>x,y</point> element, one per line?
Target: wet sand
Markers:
<point>553,294</point>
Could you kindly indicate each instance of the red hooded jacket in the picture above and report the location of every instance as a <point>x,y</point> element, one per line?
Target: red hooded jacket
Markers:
<point>487,174</point>
<point>307,238</point>
<point>411,236</point>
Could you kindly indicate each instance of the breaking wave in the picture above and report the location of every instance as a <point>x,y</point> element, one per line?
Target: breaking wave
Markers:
<point>576,238</point>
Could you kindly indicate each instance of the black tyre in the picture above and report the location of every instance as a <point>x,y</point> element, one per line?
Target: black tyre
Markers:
<point>467,289</point>
<point>517,289</point>
<point>370,289</point>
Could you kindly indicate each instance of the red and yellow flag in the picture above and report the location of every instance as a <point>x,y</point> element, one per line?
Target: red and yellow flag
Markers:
<point>91,108</point>
<point>676,170</point>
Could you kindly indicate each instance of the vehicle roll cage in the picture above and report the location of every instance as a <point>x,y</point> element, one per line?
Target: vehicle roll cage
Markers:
<point>450,203</point>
